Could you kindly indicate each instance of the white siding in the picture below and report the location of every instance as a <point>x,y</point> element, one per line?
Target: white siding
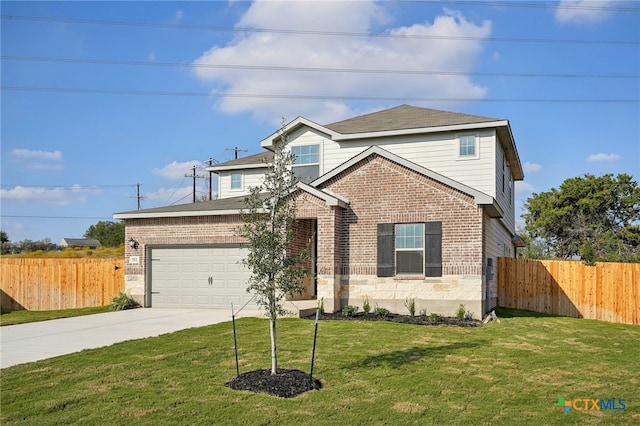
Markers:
<point>504,197</point>
<point>437,152</point>
<point>497,243</point>
<point>250,178</point>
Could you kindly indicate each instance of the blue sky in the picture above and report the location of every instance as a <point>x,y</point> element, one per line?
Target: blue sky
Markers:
<point>100,96</point>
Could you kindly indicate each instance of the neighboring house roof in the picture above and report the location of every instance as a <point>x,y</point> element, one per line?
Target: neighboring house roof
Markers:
<point>80,242</point>
<point>252,161</point>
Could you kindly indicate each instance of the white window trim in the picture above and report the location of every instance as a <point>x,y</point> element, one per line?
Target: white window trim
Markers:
<point>396,249</point>
<point>476,149</point>
<point>320,156</point>
<point>231,188</point>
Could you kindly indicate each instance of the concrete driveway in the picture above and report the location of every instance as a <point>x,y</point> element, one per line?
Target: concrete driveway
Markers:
<point>24,343</point>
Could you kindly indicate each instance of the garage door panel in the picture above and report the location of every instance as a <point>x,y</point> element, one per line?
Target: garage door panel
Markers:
<point>199,277</point>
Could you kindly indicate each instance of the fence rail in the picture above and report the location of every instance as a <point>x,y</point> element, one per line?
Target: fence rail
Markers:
<point>49,284</point>
<point>607,291</point>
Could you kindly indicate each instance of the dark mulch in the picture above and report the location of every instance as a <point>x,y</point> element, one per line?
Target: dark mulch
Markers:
<point>285,384</point>
<point>403,319</point>
<point>290,383</point>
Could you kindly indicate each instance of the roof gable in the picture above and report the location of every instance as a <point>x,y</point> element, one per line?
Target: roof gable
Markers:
<point>479,197</point>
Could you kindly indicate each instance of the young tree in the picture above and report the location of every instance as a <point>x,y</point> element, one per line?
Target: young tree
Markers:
<point>269,222</point>
<point>595,217</point>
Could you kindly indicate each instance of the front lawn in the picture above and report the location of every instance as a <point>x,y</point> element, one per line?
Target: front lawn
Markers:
<point>11,317</point>
<point>372,373</point>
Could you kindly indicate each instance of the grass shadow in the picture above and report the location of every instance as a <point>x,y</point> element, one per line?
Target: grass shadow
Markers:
<point>397,359</point>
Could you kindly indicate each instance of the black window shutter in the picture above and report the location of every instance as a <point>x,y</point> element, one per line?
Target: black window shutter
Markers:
<point>385,249</point>
<point>432,249</point>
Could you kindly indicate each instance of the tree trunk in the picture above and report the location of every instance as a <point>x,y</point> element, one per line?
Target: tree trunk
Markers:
<point>274,356</point>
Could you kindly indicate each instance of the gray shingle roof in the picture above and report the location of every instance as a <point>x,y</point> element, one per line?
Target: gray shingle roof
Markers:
<point>224,204</point>
<point>404,117</point>
<point>261,158</point>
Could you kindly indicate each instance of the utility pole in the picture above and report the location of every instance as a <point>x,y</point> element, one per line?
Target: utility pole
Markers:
<point>139,197</point>
<point>210,162</point>
<point>235,151</point>
<point>194,176</point>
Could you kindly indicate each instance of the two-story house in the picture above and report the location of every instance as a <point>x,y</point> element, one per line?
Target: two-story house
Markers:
<point>402,203</point>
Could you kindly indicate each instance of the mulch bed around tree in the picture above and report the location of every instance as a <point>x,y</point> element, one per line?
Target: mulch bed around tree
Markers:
<point>291,383</point>
<point>285,384</point>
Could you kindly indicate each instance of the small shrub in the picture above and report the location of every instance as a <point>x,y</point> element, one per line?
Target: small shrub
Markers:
<point>366,306</point>
<point>349,310</point>
<point>461,311</point>
<point>123,301</point>
<point>433,317</point>
<point>321,306</point>
<point>423,312</point>
<point>383,312</point>
<point>468,316</point>
<point>410,304</point>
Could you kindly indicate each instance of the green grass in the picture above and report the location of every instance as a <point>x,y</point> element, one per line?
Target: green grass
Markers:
<point>373,373</point>
<point>11,317</point>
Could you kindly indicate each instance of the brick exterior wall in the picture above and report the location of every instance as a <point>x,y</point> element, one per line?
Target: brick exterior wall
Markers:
<point>379,191</point>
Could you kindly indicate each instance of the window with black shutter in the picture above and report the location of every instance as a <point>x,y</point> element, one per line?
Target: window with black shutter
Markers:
<point>410,249</point>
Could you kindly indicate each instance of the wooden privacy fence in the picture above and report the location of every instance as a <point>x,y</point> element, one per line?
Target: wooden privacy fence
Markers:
<point>607,291</point>
<point>48,284</point>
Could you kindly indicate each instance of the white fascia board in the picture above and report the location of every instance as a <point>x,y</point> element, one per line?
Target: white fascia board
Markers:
<point>300,121</point>
<point>216,169</point>
<point>151,215</point>
<point>387,133</point>
<point>328,197</point>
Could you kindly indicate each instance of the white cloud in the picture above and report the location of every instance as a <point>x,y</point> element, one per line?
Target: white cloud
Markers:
<point>176,170</point>
<point>179,15</point>
<point>341,52</point>
<point>523,187</point>
<point>61,196</point>
<point>603,157</point>
<point>531,167</point>
<point>583,11</point>
<point>42,155</point>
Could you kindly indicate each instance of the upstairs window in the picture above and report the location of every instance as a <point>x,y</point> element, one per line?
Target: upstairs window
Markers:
<point>306,163</point>
<point>468,147</point>
<point>236,181</point>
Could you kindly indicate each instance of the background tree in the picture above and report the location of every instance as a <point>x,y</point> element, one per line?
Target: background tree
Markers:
<point>594,217</point>
<point>5,243</point>
<point>110,234</point>
<point>269,221</point>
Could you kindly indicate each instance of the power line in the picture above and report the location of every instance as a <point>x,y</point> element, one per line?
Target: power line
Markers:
<point>321,33</point>
<point>533,5</point>
<point>55,217</point>
<point>305,97</point>
<point>317,69</point>
<point>69,188</point>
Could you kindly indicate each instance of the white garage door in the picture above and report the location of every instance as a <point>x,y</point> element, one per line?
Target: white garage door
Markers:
<point>199,277</point>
